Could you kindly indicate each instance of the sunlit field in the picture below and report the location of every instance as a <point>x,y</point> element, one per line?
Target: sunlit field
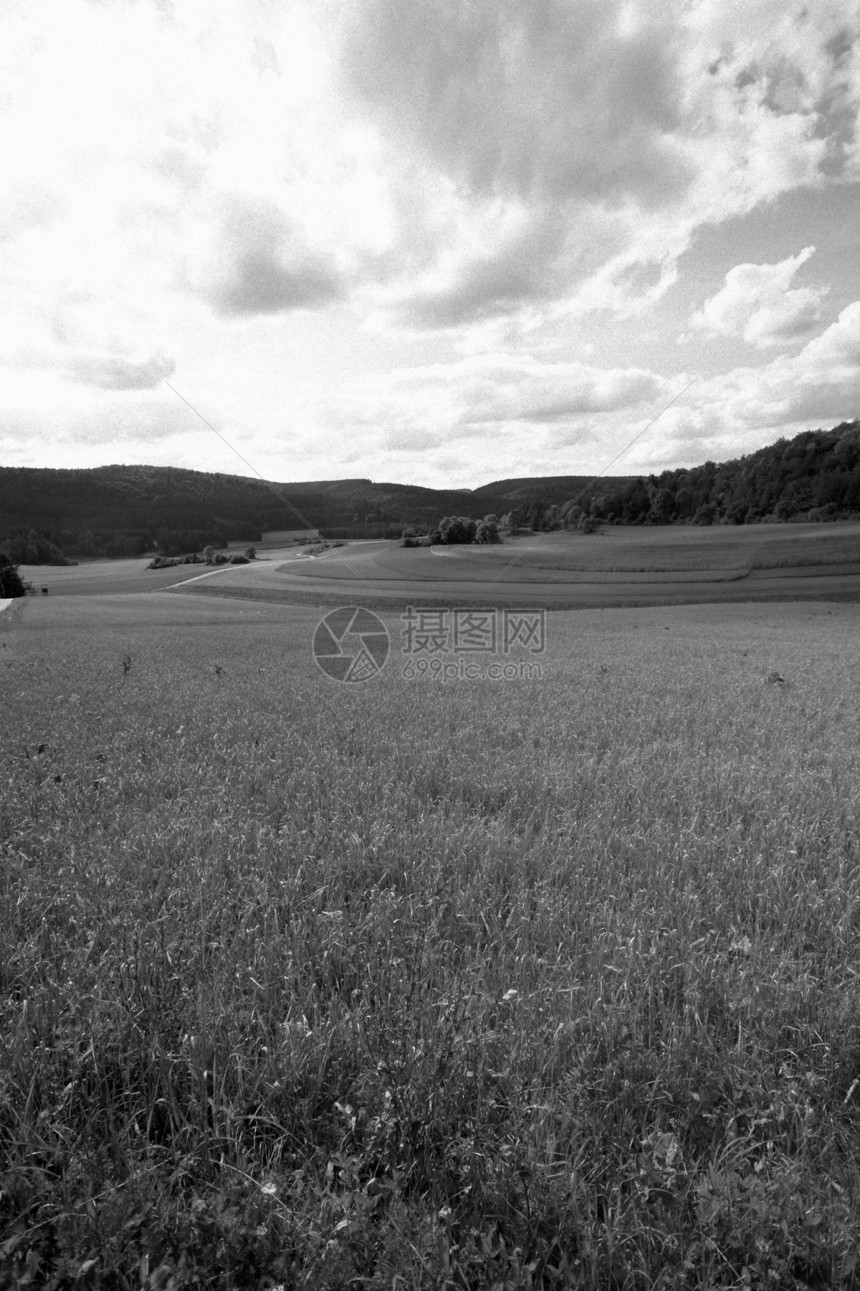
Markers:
<point>670,548</point>
<point>419,985</point>
<point>623,566</point>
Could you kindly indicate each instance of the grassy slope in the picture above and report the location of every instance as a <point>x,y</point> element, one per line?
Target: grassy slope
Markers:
<point>640,549</point>
<point>466,985</point>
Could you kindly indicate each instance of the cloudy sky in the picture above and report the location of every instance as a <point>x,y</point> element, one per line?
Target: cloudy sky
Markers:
<point>432,241</point>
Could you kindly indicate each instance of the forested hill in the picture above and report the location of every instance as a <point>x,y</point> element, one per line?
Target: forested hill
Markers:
<point>125,510</point>
<point>815,476</point>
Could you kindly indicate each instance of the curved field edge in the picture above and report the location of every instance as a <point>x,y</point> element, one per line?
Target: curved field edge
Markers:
<point>551,983</point>
<point>827,588</point>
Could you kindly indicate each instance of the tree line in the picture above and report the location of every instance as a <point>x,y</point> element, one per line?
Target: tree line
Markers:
<point>813,477</point>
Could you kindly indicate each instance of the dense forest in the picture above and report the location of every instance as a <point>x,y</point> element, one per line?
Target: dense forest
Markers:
<point>815,476</point>
<point>49,515</point>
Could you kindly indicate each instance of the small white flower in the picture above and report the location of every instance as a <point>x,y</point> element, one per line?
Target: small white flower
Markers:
<point>269,1189</point>
<point>510,996</point>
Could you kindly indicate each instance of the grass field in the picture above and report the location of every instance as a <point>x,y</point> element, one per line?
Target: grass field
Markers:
<point>618,567</point>
<point>411,985</point>
<point>638,549</point>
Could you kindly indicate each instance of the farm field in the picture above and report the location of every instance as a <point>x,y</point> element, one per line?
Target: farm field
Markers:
<point>620,566</point>
<point>541,983</point>
<point>122,577</point>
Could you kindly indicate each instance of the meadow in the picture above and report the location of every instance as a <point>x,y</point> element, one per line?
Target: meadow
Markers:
<point>549,983</point>
<point>632,565</point>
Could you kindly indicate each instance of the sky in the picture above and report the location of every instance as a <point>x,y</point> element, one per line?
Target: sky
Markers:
<point>436,242</point>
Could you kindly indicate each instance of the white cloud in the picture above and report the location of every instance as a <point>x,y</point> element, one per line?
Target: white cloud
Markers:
<point>503,406</point>
<point>743,409</point>
<point>758,303</point>
<point>437,177</point>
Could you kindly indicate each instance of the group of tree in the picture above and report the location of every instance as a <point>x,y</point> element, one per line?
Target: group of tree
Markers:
<point>814,476</point>
<point>458,530</point>
<point>206,557</point>
<point>27,547</point>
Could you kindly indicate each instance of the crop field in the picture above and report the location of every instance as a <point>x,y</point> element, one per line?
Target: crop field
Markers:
<point>403,984</point>
<point>617,567</point>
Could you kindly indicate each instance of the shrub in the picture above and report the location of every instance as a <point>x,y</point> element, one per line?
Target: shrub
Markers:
<point>239,560</point>
<point>487,531</point>
<point>457,529</point>
<point>11,584</point>
<point>409,538</point>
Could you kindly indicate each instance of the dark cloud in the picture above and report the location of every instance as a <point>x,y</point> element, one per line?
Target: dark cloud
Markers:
<point>526,99</point>
<point>261,284</point>
<point>524,270</point>
<point>266,266</point>
<point>551,125</point>
<point>110,372</point>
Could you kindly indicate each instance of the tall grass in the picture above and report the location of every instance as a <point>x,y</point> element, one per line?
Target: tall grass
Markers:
<point>516,985</point>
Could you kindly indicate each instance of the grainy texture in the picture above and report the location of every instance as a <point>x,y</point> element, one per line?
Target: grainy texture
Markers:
<point>526,984</point>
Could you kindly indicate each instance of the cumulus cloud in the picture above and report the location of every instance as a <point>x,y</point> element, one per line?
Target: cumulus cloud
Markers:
<point>735,412</point>
<point>758,303</point>
<point>113,372</point>
<point>525,100</point>
<point>437,166</point>
<point>491,398</point>
<point>576,149</point>
<point>554,392</point>
<point>517,175</point>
